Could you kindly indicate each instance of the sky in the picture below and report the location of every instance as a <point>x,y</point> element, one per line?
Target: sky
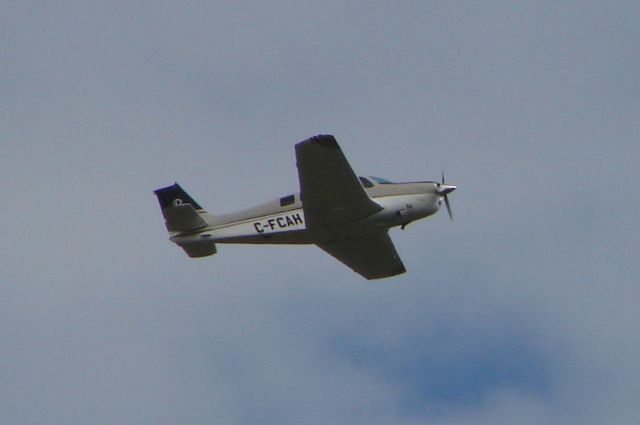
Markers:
<point>524,309</point>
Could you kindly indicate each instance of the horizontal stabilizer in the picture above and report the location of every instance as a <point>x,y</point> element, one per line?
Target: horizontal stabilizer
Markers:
<point>183,218</point>
<point>199,249</point>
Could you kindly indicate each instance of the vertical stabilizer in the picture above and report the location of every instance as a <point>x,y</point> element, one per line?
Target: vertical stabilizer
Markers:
<point>181,212</point>
<point>173,196</point>
<point>184,218</point>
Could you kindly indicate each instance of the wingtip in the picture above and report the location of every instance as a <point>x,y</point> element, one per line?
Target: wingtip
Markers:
<point>400,270</point>
<point>324,140</point>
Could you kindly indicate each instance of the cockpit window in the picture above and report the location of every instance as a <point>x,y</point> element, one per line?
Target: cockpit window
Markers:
<point>287,200</point>
<point>380,180</point>
<point>365,182</point>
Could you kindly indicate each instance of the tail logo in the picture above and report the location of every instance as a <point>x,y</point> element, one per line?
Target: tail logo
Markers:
<point>177,202</point>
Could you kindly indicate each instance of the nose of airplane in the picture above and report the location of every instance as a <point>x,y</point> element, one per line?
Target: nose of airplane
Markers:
<point>443,190</point>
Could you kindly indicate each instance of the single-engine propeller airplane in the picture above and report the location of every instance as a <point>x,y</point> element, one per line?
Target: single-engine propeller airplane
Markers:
<point>347,216</point>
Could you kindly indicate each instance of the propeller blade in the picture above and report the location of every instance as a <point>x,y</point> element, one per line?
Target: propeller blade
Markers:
<point>448,205</point>
<point>444,190</point>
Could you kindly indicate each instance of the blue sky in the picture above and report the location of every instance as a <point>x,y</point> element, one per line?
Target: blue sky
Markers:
<point>523,310</point>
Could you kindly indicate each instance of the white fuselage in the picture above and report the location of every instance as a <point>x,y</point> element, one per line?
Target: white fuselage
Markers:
<point>282,221</point>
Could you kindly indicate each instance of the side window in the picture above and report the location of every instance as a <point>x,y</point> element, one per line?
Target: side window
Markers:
<point>287,200</point>
<point>365,182</point>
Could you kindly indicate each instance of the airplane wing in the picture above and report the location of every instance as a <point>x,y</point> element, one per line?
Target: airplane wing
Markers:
<point>371,255</point>
<point>330,191</point>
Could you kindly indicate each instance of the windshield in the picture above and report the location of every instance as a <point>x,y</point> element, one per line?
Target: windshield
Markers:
<point>380,180</point>
<point>365,182</point>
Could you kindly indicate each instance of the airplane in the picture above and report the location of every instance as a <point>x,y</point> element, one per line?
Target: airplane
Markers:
<point>347,216</point>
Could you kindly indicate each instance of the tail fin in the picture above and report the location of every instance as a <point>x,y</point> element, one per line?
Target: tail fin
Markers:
<point>173,196</point>
<point>183,214</point>
<point>180,211</point>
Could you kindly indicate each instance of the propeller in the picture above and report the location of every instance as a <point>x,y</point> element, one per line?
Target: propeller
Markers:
<point>444,190</point>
